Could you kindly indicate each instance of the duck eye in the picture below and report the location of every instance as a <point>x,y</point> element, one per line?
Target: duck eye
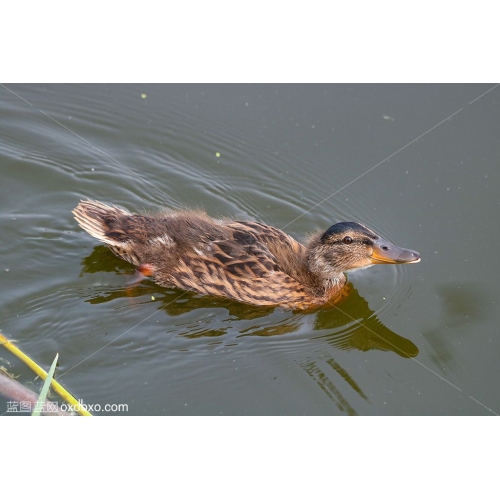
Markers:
<point>347,240</point>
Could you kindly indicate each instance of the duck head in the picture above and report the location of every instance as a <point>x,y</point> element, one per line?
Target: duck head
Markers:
<point>349,245</point>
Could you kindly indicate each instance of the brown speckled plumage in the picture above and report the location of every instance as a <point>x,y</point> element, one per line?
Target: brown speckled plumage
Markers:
<point>246,261</point>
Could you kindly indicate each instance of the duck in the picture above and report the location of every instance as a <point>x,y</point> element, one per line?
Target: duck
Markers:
<point>246,261</point>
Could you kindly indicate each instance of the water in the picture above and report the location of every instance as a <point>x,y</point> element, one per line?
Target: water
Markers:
<point>419,339</point>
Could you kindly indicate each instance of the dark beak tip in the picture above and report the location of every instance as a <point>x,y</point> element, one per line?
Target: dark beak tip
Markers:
<point>415,257</point>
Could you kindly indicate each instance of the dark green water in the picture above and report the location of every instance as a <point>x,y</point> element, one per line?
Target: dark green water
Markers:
<point>420,339</point>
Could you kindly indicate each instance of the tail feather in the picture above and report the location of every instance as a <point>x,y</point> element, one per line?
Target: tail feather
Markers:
<point>99,219</point>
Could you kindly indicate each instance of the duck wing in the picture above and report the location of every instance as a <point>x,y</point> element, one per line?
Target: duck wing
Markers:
<point>241,268</point>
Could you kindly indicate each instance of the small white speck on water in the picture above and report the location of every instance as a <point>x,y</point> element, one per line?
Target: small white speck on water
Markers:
<point>7,270</point>
<point>92,169</point>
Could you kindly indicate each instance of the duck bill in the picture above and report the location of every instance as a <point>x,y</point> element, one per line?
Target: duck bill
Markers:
<point>387,253</point>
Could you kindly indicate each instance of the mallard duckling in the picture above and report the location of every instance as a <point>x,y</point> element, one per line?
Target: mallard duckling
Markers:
<point>246,261</point>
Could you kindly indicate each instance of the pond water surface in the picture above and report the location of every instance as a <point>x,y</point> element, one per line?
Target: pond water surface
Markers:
<point>420,339</point>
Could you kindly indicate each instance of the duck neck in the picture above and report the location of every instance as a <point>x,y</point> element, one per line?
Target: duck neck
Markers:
<point>325,279</point>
